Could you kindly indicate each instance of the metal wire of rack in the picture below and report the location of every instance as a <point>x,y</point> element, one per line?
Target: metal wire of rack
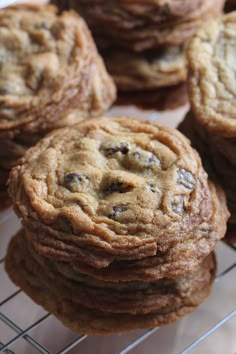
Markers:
<point>24,334</point>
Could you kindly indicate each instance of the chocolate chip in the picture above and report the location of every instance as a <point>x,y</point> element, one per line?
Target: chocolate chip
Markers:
<point>75,181</point>
<point>137,154</point>
<point>118,187</point>
<point>165,10</point>
<point>69,226</point>
<point>111,149</point>
<point>145,159</point>
<point>116,210</point>
<point>153,159</point>
<point>186,179</point>
<point>153,188</point>
<point>65,225</point>
<point>75,177</point>
<point>205,229</point>
<point>177,204</point>
<point>185,290</point>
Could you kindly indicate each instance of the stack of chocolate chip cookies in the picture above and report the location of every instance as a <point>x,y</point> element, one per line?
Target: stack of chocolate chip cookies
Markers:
<point>211,123</point>
<point>119,225</point>
<point>48,65</point>
<point>142,42</point>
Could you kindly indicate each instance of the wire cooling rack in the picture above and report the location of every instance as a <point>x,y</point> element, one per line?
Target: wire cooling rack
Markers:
<point>26,335</point>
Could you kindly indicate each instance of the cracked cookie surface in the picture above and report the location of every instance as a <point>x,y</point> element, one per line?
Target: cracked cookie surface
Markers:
<point>219,158</point>
<point>116,189</point>
<point>48,63</point>
<point>210,57</point>
<point>139,25</point>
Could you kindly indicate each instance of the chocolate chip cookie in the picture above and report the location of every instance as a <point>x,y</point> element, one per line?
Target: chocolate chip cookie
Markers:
<point>147,70</point>
<point>211,124</point>
<point>139,25</point>
<point>144,47</point>
<point>120,221</point>
<point>219,159</point>
<point>113,190</point>
<point>212,91</point>
<point>49,65</point>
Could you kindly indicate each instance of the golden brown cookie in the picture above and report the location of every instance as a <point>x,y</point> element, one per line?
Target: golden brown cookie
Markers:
<point>49,63</point>
<point>216,151</point>
<point>211,63</point>
<point>118,189</point>
<point>94,307</point>
<point>147,70</point>
<point>218,155</point>
<point>176,261</point>
<point>49,68</point>
<point>143,48</point>
<point>139,25</point>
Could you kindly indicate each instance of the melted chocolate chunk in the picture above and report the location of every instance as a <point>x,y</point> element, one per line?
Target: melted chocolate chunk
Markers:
<point>75,181</point>
<point>111,149</point>
<point>205,229</point>
<point>165,10</point>
<point>153,188</point>
<point>186,179</point>
<point>65,225</point>
<point>116,210</point>
<point>118,187</point>
<point>177,204</point>
<point>145,159</point>
<point>153,160</point>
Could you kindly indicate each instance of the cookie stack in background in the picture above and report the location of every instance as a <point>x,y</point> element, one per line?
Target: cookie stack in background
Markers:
<point>211,123</point>
<point>142,42</point>
<point>119,225</point>
<point>48,65</point>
